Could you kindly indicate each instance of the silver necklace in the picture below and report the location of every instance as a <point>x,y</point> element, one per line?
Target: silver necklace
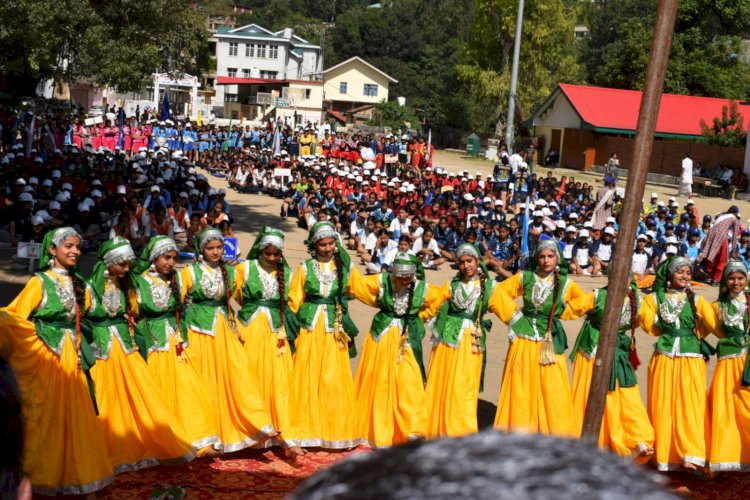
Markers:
<point>112,300</point>
<point>161,292</point>
<point>669,310</point>
<point>540,291</point>
<point>738,318</point>
<point>269,283</point>
<point>625,315</point>
<point>400,300</point>
<point>465,300</point>
<point>326,278</point>
<point>212,283</point>
<point>66,293</point>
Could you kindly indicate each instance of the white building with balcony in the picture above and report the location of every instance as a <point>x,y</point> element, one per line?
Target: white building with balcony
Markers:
<point>252,60</point>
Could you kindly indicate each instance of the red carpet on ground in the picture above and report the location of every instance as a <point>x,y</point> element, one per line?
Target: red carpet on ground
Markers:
<point>269,474</point>
<point>262,474</point>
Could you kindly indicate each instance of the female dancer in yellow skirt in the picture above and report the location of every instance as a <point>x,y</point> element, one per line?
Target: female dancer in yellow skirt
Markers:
<point>729,397</point>
<point>677,371</point>
<point>64,450</point>
<point>267,326</point>
<point>535,392</point>
<point>137,426</point>
<point>322,390</point>
<point>454,380</point>
<point>626,429</point>
<point>389,386</point>
<point>154,299</point>
<point>215,349</point>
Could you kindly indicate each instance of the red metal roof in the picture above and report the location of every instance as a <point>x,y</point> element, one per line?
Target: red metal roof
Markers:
<point>226,80</point>
<point>612,110</point>
<point>336,115</point>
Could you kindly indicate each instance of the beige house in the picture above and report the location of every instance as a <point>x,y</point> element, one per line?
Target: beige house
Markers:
<point>353,86</point>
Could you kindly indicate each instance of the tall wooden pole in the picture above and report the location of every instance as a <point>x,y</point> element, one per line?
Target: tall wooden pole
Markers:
<point>619,276</point>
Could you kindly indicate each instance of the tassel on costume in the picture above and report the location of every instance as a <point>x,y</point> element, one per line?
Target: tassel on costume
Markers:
<point>476,338</point>
<point>403,345</point>
<point>281,341</point>
<point>547,355</point>
<point>338,331</point>
<point>633,356</point>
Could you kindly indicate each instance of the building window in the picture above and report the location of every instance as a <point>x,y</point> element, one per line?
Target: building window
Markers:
<point>342,88</point>
<point>232,72</point>
<point>230,97</point>
<point>308,93</point>
<point>233,49</point>
<point>250,50</point>
<point>212,48</point>
<point>273,51</point>
<point>261,51</point>
<point>245,73</point>
<point>371,90</point>
<point>269,75</point>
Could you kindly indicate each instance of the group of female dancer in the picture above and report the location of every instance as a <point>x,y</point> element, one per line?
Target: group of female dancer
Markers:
<point>173,372</point>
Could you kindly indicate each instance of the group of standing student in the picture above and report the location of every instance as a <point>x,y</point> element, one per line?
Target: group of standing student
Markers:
<point>171,373</point>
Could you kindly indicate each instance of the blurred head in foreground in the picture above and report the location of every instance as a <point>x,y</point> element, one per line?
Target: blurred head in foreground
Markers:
<point>12,482</point>
<point>488,465</point>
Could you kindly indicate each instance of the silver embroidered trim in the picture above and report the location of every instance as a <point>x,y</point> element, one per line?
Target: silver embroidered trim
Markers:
<point>269,283</point>
<point>541,291</point>
<point>670,308</point>
<point>212,283</point>
<point>160,293</point>
<point>738,318</point>
<point>112,300</point>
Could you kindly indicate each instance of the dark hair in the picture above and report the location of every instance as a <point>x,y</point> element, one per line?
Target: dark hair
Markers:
<point>11,432</point>
<point>489,464</point>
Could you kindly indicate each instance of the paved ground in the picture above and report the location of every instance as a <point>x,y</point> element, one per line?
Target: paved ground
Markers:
<point>251,212</point>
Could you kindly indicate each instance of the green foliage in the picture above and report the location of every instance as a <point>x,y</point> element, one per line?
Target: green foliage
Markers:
<point>727,130</point>
<point>704,58</point>
<point>117,43</point>
<point>390,114</point>
<point>547,57</point>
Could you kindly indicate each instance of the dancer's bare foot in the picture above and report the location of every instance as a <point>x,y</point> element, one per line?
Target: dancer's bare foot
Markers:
<point>209,452</point>
<point>294,452</point>
<point>689,466</point>
<point>647,452</point>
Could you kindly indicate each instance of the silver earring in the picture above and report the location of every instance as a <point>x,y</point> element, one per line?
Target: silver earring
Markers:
<point>106,273</point>
<point>51,261</point>
<point>152,268</point>
<point>200,258</point>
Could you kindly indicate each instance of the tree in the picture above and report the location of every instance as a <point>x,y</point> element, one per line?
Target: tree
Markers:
<point>116,43</point>
<point>547,57</point>
<point>726,130</point>
<point>704,57</point>
<point>391,114</point>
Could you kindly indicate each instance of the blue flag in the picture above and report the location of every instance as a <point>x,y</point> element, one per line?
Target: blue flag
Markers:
<point>121,118</point>
<point>525,235</point>
<point>164,111</point>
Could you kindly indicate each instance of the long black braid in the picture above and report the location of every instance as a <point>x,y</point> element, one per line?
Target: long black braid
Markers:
<point>174,286</point>
<point>339,277</point>
<point>124,284</point>
<point>483,291</point>
<point>280,278</point>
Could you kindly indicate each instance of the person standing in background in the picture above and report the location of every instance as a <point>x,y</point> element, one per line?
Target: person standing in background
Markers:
<point>686,178</point>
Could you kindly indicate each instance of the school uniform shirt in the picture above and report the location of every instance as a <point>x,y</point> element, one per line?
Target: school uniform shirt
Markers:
<point>397,227</point>
<point>640,262</point>
<point>582,253</point>
<point>603,251</point>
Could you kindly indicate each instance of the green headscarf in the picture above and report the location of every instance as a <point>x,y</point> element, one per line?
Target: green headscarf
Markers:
<point>549,244</point>
<point>664,271</point>
<point>267,236</point>
<point>204,237</point>
<point>111,252</point>
<point>155,247</point>
<point>733,266</point>
<point>322,230</point>
<point>407,264</point>
<point>54,238</point>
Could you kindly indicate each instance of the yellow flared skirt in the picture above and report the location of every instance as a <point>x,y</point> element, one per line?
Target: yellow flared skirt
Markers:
<point>64,450</point>
<point>185,394</point>
<point>535,398</point>
<point>626,429</point>
<point>137,426</point>
<point>322,393</point>
<point>730,417</point>
<point>452,391</point>
<point>389,393</point>
<point>677,409</point>
<point>233,387</point>
<point>273,370</point>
